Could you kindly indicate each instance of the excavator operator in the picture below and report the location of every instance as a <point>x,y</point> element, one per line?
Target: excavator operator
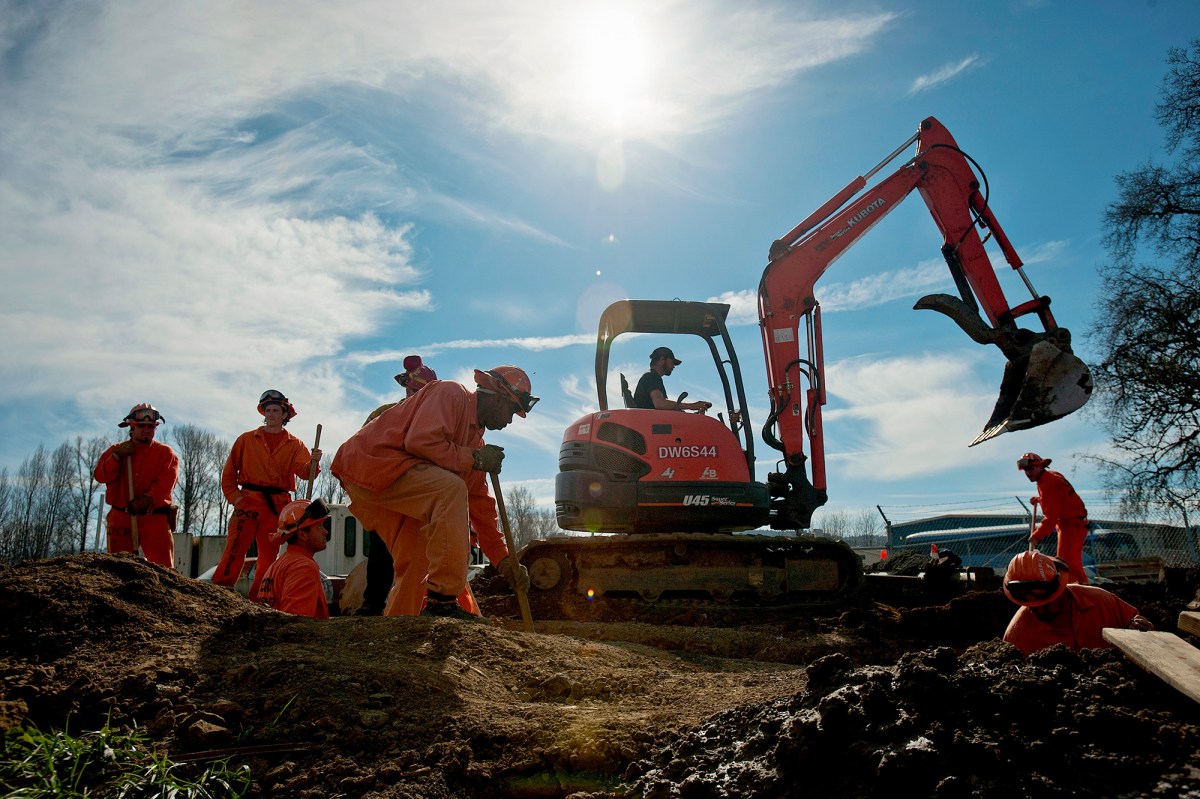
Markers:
<point>650,392</point>
<point>426,459</point>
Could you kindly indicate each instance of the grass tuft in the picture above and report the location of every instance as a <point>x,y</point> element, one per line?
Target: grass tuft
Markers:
<point>107,762</point>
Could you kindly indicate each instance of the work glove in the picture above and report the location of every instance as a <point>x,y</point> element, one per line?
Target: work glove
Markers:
<point>515,574</point>
<point>125,449</point>
<point>488,458</point>
<point>138,506</point>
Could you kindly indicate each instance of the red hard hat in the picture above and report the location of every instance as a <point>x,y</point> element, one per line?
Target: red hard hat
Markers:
<point>274,397</point>
<point>415,374</point>
<point>1034,578</point>
<point>297,515</point>
<point>509,381</point>
<point>1031,459</point>
<point>140,414</point>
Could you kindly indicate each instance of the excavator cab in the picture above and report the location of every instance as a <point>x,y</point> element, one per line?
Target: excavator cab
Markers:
<point>634,470</point>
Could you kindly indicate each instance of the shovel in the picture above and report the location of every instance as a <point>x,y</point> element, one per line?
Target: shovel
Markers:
<point>1033,501</point>
<point>133,531</point>
<point>526,615</point>
<point>312,469</point>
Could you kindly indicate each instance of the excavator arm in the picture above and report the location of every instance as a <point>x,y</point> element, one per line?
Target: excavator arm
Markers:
<point>1043,380</point>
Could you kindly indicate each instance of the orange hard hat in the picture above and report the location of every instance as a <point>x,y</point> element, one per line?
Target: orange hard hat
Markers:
<point>142,413</point>
<point>1030,459</point>
<point>1035,578</point>
<point>297,515</point>
<point>509,381</point>
<point>274,397</point>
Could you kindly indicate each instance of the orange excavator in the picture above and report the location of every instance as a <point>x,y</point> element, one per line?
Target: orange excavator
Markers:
<point>670,495</point>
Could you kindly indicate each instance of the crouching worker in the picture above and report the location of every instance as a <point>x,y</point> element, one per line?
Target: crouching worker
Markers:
<point>1056,611</point>
<point>293,582</point>
<point>425,459</point>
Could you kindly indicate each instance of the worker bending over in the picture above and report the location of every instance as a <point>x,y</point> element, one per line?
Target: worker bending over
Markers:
<point>388,579</point>
<point>426,459</point>
<point>155,470</point>
<point>1062,509</point>
<point>293,582</point>
<point>1055,611</point>
<point>260,474</point>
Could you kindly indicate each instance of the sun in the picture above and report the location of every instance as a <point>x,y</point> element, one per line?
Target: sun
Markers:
<point>614,58</point>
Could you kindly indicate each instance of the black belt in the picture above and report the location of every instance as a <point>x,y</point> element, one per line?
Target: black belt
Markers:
<point>268,490</point>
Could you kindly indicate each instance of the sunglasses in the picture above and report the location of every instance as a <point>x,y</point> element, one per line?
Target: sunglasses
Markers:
<point>146,417</point>
<point>272,394</point>
<point>522,399</point>
<point>317,510</point>
<point>1031,590</point>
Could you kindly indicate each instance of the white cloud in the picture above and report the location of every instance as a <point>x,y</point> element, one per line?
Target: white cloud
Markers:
<point>196,206</point>
<point>904,417</point>
<point>944,74</point>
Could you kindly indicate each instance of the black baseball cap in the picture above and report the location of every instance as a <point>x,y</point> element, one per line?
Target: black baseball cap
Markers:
<point>664,352</point>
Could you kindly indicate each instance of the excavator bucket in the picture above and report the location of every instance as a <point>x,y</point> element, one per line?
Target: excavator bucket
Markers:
<point>1047,385</point>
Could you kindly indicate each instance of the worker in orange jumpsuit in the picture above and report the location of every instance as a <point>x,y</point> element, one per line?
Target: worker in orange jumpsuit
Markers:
<point>1056,611</point>
<point>1062,509</point>
<point>384,572</point>
<point>155,470</point>
<point>293,582</point>
<point>259,476</point>
<point>426,459</point>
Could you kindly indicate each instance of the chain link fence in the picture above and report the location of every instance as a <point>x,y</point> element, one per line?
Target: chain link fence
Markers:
<point>991,531</point>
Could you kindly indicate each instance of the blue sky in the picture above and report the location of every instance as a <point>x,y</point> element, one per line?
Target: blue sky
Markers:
<point>199,201</point>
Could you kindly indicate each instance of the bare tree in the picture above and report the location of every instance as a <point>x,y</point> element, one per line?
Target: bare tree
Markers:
<point>8,515</point>
<point>528,521</point>
<point>198,493</point>
<point>864,527</point>
<point>87,491</point>
<point>56,515</point>
<point>1148,325</point>
<point>326,486</point>
<point>23,542</point>
<point>39,510</point>
<point>835,523</point>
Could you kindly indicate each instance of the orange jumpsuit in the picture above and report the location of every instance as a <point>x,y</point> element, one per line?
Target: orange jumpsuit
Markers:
<point>1063,509</point>
<point>255,463</point>
<point>155,470</point>
<point>1089,611</point>
<point>293,584</point>
<point>415,461</point>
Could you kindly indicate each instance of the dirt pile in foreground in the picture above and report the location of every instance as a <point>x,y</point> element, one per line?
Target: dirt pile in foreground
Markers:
<point>872,700</point>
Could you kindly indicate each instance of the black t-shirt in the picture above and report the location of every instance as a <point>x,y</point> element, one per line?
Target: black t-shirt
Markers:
<point>650,381</point>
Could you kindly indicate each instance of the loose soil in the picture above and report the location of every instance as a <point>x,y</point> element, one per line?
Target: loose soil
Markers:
<point>903,697</point>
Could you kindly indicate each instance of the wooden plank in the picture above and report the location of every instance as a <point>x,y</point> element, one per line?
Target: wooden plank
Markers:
<point>1165,655</point>
<point>1189,622</point>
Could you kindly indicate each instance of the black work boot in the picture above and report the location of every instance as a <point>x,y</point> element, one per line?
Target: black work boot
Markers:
<point>451,610</point>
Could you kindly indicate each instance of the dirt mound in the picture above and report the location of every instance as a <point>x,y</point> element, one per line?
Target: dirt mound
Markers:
<point>901,698</point>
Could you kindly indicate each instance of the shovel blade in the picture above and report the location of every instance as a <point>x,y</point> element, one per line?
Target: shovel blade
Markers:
<point>1047,386</point>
